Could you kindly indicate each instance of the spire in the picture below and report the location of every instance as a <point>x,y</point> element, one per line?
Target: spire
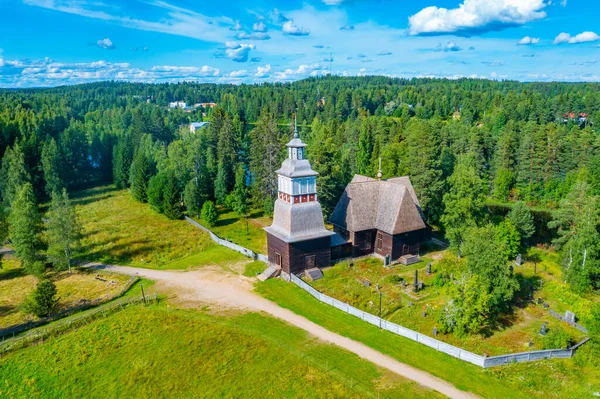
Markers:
<point>379,174</point>
<point>295,126</point>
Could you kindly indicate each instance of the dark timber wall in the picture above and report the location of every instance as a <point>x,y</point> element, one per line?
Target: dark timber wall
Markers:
<point>295,256</point>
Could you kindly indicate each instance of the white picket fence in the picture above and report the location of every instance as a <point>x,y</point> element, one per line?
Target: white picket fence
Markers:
<point>238,248</point>
<point>481,361</point>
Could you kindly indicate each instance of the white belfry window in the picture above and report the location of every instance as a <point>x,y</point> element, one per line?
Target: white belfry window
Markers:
<point>300,153</point>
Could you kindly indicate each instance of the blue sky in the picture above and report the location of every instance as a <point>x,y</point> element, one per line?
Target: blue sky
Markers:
<point>55,42</point>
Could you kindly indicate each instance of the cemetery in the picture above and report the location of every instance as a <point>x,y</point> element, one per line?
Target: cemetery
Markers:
<point>415,297</point>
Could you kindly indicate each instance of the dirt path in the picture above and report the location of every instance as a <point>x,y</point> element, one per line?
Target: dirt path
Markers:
<point>236,291</point>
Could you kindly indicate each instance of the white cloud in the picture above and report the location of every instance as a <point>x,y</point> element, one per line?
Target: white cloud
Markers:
<point>252,36</point>
<point>106,44</point>
<point>238,52</point>
<point>242,73</point>
<point>528,40</point>
<point>178,21</point>
<point>476,16</point>
<point>451,46</point>
<point>302,71</point>
<point>237,26</point>
<point>290,29</point>
<point>584,37</point>
<point>263,72</point>
<point>362,72</point>
<point>259,27</point>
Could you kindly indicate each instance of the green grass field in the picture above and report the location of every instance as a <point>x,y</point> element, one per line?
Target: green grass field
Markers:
<point>119,230</point>
<point>158,352</point>
<point>247,233</point>
<point>571,378</point>
<point>15,286</point>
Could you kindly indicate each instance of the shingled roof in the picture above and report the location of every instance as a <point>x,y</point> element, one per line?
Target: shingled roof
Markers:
<point>389,205</point>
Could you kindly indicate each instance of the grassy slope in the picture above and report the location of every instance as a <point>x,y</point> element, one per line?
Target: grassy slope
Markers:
<point>233,228</point>
<point>121,231</point>
<point>545,379</point>
<point>15,286</point>
<point>511,335</point>
<point>160,352</point>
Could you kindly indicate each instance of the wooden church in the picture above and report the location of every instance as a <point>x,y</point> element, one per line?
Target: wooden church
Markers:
<point>372,216</point>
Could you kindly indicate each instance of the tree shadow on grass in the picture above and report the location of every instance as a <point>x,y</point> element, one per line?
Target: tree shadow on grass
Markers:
<point>12,273</point>
<point>227,222</point>
<point>88,200</point>
<point>8,310</point>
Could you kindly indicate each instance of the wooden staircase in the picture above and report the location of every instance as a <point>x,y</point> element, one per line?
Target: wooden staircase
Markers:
<point>272,271</point>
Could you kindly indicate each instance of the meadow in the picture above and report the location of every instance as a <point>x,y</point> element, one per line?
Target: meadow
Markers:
<point>119,230</point>
<point>161,352</point>
<point>359,282</point>
<point>15,286</point>
<point>248,232</point>
<point>568,378</point>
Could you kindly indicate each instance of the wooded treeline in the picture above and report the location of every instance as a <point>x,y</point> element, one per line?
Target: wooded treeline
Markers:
<point>515,141</point>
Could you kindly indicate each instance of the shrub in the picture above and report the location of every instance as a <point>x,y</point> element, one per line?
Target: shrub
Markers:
<point>557,338</point>
<point>440,279</point>
<point>209,213</point>
<point>394,279</point>
<point>42,300</point>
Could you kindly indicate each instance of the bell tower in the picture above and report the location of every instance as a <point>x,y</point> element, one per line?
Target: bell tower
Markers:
<point>298,240</point>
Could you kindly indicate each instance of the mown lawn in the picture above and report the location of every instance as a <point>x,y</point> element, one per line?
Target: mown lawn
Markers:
<point>571,378</point>
<point>15,286</point>
<point>119,230</point>
<point>157,352</point>
<point>421,311</point>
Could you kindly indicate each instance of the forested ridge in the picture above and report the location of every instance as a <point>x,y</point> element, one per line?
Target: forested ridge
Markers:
<point>456,139</point>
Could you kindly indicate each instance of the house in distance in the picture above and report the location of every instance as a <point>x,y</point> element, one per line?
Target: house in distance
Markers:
<point>373,216</point>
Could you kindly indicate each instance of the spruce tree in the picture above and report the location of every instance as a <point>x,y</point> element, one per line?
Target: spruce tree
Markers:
<point>140,176</point>
<point>156,190</point>
<point>15,174</point>
<point>240,196</point>
<point>172,198</point>
<point>3,229</point>
<point>463,201</point>
<point>25,226</point>
<point>209,213</point>
<point>64,231</point>
<point>51,167</point>
<point>221,184</point>
<point>193,197</point>
<point>523,219</point>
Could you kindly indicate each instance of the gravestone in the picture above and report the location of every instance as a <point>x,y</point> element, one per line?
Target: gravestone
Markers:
<point>570,316</point>
<point>519,260</point>
<point>313,274</point>
<point>429,268</point>
<point>543,330</point>
<point>377,287</point>
<point>423,313</point>
<point>387,261</point>
<point>530,344</point>
<point>416,283</point>
<point>420,285</point>
<point>367,283</point>
<point>410,304</point>
<point>546,306</point>
<point>539,301</point>
<point>435,331</point>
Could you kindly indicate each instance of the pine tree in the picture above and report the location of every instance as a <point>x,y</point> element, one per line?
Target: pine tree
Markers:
<point>140,176</point>
<point>51,167</point>
<point>25,226</point>
<point>172,198</point>
<point>64,231</point>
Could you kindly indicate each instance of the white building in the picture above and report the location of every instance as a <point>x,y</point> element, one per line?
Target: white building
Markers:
<point>177,104</point>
